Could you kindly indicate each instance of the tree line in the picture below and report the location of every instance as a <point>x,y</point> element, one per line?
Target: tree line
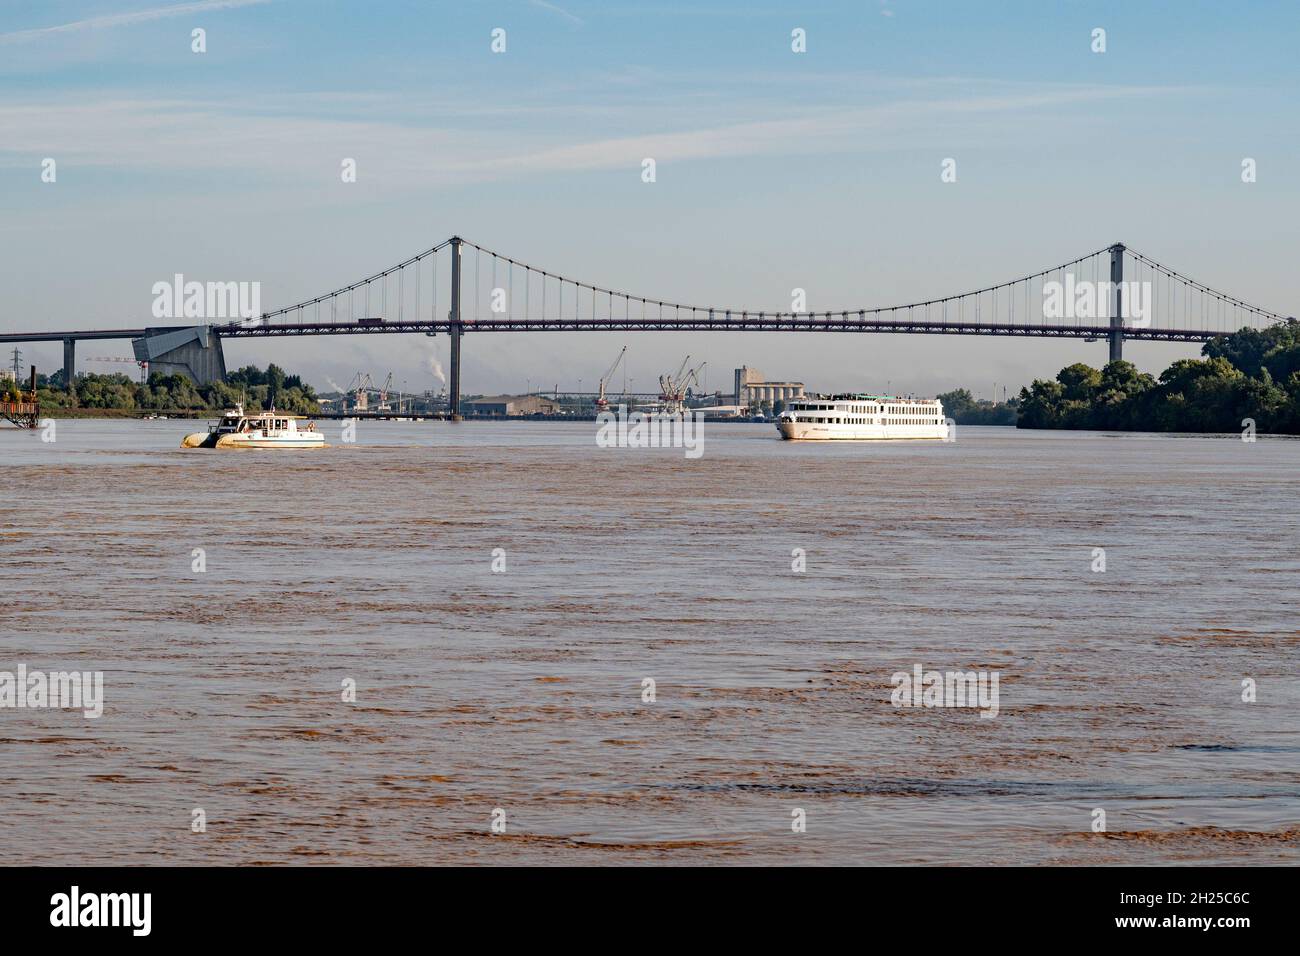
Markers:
<point>1251,374</point>
<point>964,409</point>
<point>254,388</point>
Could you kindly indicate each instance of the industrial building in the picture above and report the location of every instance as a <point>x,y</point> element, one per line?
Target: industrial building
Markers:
<point>511,405</point>
<point>752,388</point>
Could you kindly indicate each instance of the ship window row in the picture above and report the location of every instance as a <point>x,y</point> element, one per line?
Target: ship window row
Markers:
<point>860,409</point>
<point>853,409</point>
<point>906,415</point>
<point>858,420</point>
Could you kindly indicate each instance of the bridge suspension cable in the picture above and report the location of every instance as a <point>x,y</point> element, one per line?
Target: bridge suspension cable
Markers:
<point>1158,302</point>
<point>678,307</point>
<point>1173,275</point>
<point>349,290</point>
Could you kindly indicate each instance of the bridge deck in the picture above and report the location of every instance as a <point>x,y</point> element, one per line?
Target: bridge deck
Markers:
<point>71,334</point>
<point>820,322</point>
<point>787,323</point>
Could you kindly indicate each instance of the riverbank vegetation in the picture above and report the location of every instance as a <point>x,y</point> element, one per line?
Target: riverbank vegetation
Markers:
<point>256,389</point>
<point>964,409</point>
<point>1251,374</point>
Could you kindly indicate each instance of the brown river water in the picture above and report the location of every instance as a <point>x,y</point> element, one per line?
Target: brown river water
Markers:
<point>521,690</point>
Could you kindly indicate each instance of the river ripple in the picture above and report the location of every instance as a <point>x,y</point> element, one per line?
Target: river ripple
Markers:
<point>522,690</point>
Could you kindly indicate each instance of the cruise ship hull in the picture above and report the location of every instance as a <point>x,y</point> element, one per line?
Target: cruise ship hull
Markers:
<point>804,431</point>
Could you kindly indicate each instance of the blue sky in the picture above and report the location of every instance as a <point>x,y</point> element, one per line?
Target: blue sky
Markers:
<point>775,170</point>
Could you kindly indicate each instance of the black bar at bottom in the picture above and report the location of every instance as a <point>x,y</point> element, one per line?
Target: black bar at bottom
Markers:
<point>946,906</point>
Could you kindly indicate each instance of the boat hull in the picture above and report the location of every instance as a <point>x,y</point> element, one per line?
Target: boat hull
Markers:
<point>243,441</point>
<point>213,440</point>
<point>809,431</point>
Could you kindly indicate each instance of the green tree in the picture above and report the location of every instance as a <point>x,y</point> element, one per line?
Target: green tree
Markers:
<point>1250,350</point>
<point>247,376</point>
<point>1079,381</point>
<point>1265,401</point>
<point>275,383</point>
<point>1121,396</point>
<point>957,403</point>
<point>223,395</point>
<point>1040,405</point>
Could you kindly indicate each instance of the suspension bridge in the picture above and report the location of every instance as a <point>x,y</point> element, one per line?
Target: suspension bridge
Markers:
<point>458,286</point>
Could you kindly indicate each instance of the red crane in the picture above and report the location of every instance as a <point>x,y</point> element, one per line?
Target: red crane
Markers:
<point>601,401</point>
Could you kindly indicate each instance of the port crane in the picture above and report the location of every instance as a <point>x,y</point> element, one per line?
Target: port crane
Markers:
<point>601,401</point>
<point>673,388</point>
<point>383,393</point>
<point>144,366</point>
<point>362,387</point>
<point>694,376</point>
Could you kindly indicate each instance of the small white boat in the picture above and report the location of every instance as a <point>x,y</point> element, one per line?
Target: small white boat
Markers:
<point>261,430</point>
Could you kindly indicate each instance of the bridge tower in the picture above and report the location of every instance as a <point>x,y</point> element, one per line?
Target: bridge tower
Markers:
<point>69,364</point>
<point>453,394</point>
<point>1117,304</point>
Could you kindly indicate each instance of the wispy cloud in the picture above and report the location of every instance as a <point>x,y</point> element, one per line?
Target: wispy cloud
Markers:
<point>122,19</point>
<point>558,11</point>
<point>280,135</point>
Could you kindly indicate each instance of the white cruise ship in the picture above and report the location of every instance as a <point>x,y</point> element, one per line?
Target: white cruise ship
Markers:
<point>862,418</point>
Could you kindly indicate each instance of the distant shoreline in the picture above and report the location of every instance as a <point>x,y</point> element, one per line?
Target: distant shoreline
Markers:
<point>191,414</point>
<point>138,413</point>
